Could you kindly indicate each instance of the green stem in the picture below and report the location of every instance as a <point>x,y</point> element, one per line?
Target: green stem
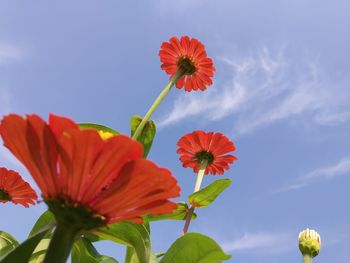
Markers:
<point>199,180</point>
<point>200,175</point>
<point>61,243</point>
<point>307,258</point>
<point>156,103</point>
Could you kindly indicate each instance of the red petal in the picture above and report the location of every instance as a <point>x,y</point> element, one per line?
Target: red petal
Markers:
<point>15,136</point>
<point>140,183</point>
<point>116,152</point>
<point>60,124</point>
<point>19,191</point>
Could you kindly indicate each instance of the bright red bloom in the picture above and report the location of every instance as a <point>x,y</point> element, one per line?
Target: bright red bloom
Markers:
<point>14,189</point>
<point>80,169</point>
<point>198,145</point>
<point>188,55</point>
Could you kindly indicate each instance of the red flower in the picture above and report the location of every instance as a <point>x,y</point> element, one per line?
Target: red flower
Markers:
<point>108,179</point>
<point>188,55</point>
<point>14,189</point>
<point>198,145</point>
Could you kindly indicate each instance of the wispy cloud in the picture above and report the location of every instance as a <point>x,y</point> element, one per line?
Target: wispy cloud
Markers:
<point>333,118</point>
<point>267,87</point>
<point>262,243</point>
<point>324,173</point>
<point>9,53</point>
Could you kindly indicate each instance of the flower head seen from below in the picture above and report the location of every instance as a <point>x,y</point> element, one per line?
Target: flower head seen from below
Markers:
<point>213,147</point>
<point>309,242</point>
<point>86,178</point>
<point>189,56</point>
<point>14,189</point>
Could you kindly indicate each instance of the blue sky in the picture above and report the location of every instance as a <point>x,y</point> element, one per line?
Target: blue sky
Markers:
<point>281,93</point>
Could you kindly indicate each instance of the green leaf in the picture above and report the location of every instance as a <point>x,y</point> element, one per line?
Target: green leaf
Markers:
<point>40,251</point>
<point>159,255</point>
<point>84,252</point>
<point>47,218</point>
<point>147,135</point>
<point>23,252</point>
<point>131,257</point>
<point>207,195</point>
<point>178,214</point>
<point>153,258</point>
<point>129,234</point>
<point>194,248</point>
<point>98,127</point>
<point>7,243</point>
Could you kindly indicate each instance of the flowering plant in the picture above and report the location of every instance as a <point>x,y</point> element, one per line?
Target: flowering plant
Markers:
<point>99,185</point>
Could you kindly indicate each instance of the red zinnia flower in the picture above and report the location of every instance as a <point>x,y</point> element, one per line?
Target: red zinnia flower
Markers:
<point>79,173</point>
<point>189,56</point>
<point>198,145</point>
<point>14,189</point>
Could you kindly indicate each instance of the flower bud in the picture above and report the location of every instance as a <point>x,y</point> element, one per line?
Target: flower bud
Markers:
<point>309,242</point>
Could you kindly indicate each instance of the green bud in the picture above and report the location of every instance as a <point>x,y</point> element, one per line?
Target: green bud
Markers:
<point>309,242</point>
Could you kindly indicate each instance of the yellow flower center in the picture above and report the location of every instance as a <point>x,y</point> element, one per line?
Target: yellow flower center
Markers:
<point>105,135</point>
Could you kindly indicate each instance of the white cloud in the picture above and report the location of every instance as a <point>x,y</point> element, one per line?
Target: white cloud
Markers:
<point>262,243</point>
<point>333,118</point>
<point>266,87</point>
<point>324,173</point>
<point>9,53</point>
<point>340,168</point>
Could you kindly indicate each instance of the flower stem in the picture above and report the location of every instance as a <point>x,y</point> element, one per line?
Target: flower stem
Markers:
<point>61,243</point>
<point>156,103</point>
<point>188,220</point>
<point>200,175</point>
<point>307,258</point>
<point>199,180</point>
